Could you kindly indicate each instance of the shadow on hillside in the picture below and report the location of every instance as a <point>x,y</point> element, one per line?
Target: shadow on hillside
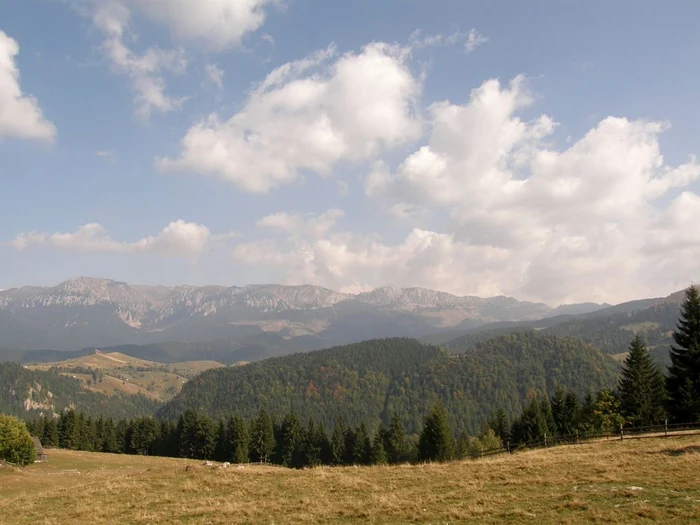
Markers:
<point>690,449</point>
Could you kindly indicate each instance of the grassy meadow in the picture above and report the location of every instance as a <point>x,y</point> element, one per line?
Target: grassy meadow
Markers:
<point>650,480</point>
<point>129,375</point>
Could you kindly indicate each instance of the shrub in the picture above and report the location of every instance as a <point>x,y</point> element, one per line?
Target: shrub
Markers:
<point>16,445</point>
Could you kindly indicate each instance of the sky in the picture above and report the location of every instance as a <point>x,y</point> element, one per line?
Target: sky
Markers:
<point>543,150</point>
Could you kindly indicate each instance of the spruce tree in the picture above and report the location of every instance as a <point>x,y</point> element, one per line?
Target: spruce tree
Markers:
<point>337,444</point>
<point>378,454</point>
<point>684,372</point>
<point>641,390</point>
<point>436,442</point>
<point>362,450</point>
<point>499,424</point>
<point>398,449</point>
<point>291,440</point>
<point>239,440</point>
<point>262,439</point>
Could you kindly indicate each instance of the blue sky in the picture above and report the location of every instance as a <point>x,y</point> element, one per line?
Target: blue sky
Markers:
<point>542,150</point>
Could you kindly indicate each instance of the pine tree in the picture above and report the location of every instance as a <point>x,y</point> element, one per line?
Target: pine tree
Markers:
<point>499,424</point>
<point>291,440</point>
<point>239,440</point>
<point>262,439</point>
<point>398,449</point>
<point>641,391</point>
<point>338,443</point>
<point>436,442</point>
<point>684,372</point>
<point>377,453</point>
<point>222,451</point>
<point>50,436</point>
<point>363,446</point>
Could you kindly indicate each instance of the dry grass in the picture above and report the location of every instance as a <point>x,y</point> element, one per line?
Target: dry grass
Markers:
<point>655,480</point>
<point>130,375</point>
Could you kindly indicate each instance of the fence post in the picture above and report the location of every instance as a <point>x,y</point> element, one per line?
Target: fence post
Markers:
<point>545,440</point>
<point>508,446</point>
<point>622,433</point>
<point>577,436</point>
<point>666,428</point>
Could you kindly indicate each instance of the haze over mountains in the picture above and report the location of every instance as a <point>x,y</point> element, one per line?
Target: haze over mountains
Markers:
<point>97,312</point>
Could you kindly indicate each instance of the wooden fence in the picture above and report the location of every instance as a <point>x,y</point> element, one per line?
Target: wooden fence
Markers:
<point>663,430</point>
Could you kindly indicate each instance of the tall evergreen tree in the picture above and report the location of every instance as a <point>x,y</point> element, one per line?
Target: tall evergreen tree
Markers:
<point>398,448</point>
<point>499,423</point>
<point>684,372</point>
<point>222,451</point>
<point>239,440</point>
<point>292,440</point>
<point>642,390</point>
<point>337,444</point>
<point>262,439</point>
<point>377,453</point>
<point>50,436</point>
<point>436,441</point>
<point>362,450</point>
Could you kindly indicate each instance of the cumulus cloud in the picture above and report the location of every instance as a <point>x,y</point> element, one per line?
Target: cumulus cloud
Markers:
<point>217,24</point>
<point>20,114</point>
<point>308,115</point>
<point>582,218</point>
<point>605,218</point>
<point>179,238</point>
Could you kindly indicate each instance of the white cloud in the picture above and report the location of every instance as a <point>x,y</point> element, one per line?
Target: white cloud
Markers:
<point>108,155</point>
<point>217,24</point>
<point>145,71</point>
<point>298,224</point>
<point>214,75</point>
<point>20,115</point>
<point>348,262</point>
<point>308,115</point>
<point>580,221</point>
<point>474,40</point>
<point>179,238</point>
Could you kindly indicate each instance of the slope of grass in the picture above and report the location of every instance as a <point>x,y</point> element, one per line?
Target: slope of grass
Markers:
<point>655,480</point>
<point>120,373</point>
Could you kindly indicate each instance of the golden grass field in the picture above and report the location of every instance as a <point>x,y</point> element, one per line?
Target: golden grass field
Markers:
<point>651,480</point>
<point>130,375</point>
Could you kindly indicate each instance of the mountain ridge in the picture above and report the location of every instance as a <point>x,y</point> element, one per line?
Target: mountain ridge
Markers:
<point>88,311</point>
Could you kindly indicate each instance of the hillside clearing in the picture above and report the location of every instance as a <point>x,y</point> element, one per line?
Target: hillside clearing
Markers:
<point>657,480</point>
<point>114,372</point>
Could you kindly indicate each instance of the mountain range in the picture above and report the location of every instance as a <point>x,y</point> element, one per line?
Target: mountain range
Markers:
<point>94,312</point>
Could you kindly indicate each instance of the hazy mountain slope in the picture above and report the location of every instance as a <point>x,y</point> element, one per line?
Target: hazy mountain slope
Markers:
<point>114,372</point>
<point>374,379</point>
<point>90,312</point>
<point>610,330</point>
<point>26,392</point>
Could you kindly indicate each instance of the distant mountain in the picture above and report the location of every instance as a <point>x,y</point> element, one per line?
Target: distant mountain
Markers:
<point>25,392</point>
<point>610,329</point>
<point>373,380</point>
<point>91,312</point>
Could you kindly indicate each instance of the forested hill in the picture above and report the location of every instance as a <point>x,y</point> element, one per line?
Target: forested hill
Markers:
<point>372,380</point>
<point>24,392</point>
<point>609,330</point>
